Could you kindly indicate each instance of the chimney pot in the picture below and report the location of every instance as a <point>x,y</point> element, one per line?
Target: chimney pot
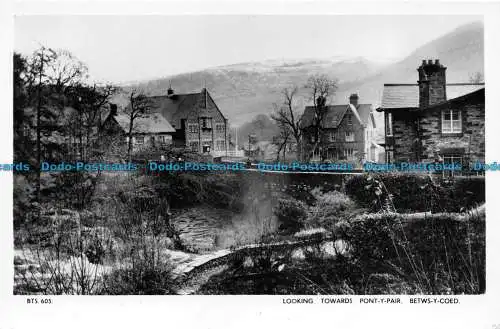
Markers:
<point>424,62</point>
<point>429,61</point>
<point>353,99</point>
<point>437,62</point>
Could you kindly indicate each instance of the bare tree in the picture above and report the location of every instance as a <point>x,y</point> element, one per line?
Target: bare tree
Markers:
<point>89,101</point>
<point>476,77</point>
<point>322,89</point>
<point>49,73</point>
<point>138,107</point>
<point>287,117</point>
<point>282,140</point>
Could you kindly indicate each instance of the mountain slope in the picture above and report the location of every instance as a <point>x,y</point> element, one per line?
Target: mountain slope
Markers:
<point>244,90</point>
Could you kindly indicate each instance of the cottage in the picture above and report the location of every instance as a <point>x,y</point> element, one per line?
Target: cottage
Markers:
<point>347,132</point>
<point>151,130</point>
<point>434,121</point>
<point>197,120</point>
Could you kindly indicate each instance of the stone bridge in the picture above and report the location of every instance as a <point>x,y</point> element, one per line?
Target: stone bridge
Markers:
<point>193,271</point>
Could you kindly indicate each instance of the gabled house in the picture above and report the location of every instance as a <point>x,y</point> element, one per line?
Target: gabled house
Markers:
<point>347,132</point>
<point>197,120</point>
<point>432,120</point>
<point>150,130</point>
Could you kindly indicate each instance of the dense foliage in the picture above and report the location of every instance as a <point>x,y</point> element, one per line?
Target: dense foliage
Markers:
<point>413,192</point>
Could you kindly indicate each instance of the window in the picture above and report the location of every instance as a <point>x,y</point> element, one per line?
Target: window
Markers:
<point>451,159</point>
<point>193,127</point>
<point>206,123</point>
<point>388,124</point>
<point>219,128</point>
<point>348,153</point>
<point>333,136</point>
<point>349,136</point>
<point>207,147</point>
<point>349,119</point>
<point>139,140</point>
<point>194,146</point>
<point>220,145</point>
<point>389,156</point>
<point>164,139</point>
<point>451,122</point>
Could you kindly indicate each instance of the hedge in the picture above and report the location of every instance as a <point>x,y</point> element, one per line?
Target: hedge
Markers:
<point>414,192</point>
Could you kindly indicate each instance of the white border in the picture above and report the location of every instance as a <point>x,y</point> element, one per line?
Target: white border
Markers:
<point>248,311</point>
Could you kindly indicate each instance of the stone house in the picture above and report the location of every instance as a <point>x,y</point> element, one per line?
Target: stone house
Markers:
<point>432,120</point>
<point>151,130</point>
<point>347,132</point>
<point>197,120</point>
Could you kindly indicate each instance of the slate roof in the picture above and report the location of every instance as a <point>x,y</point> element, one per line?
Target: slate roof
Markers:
<point>335,113</point>
<point>177,106</point>
<point>407,95</point>
<point>154,123</point>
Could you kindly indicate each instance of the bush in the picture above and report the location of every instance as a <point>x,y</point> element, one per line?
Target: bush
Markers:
<point>440,253</point>
<point>329,208</point>
<point>291,214</point>
<point>415,192</point>
<point>139,280</point>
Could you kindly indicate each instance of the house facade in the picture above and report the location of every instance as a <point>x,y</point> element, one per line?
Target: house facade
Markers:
<point>434,121</point>
<point>148,131</point>
<point>197,120</point>
<point>347,132</point>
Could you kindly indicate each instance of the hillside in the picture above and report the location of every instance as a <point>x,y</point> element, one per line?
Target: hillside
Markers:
<point>245,90</point>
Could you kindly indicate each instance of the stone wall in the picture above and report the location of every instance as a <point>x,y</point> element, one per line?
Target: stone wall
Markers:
<point>404,136</point>
<point>470,143</point>
<point>431,145</point>
<point>215,137</point>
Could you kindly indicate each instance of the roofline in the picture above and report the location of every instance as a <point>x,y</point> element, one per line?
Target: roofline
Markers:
<point>448,84</point>
<point>383,109</point>
<point>216,106</point>
<point>156,96</point>
<point>399,84</point>
<point>456,99</point>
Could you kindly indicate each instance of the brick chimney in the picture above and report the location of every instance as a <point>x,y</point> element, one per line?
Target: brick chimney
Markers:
<point>353,99</point>
<point>431,83</point>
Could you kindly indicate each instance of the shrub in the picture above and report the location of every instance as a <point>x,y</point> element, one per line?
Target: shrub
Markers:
<point>440,253</point>
<point>139,280</point>
<point>329,208</point>
<point>415,192</point>
<point>291,214</point>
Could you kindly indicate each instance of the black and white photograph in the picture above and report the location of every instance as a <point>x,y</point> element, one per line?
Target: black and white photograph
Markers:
<point>207,161</point>
<point>311,161</point>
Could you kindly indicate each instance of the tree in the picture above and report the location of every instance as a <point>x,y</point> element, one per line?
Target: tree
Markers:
<point>42,85</point>
<point>476,77</point>
<point>89,101</point>
<point>322,89</point>
<point>138,107</point>
<point>282,140</point>
<point>287,117</point>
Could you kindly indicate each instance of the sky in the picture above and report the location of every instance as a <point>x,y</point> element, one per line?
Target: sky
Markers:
<point>128,48</point>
